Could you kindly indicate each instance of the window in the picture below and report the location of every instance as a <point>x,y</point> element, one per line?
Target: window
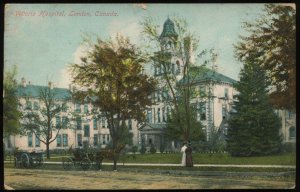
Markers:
<point>103,139</point>
<point>95,139</point>
<point>158,115</point>
<point>158,95</point>
<point>28,105</point>
<point>203,111</point>
<point>37,140</point>
<point>36,105</point>
<point>173,68</point>
<point>163,115</point>
<point>86,108</point>
<point>178,67</point>
<point>58,140</point>
<point>30,139</point>
<point>149,116</point>
<point>154,120</point>
<point>9,142</point>
<point>202,91</point>
<point>79,140</point>
<point>292,132</point>
<point>58,123</point>
<point>87,130</point>
<point>103,122</point>
<point>107,138</point>
<point>289,114</point>
<point>65,121</point>
<point>129,124</point>
<point>95,123</point>
<point>64,107</point>
<point>77,108</point>
<point>226,93</point>
<point>224,111</point>
<point>78,122</point>
<point>164,95</point>
<point>65,140</point>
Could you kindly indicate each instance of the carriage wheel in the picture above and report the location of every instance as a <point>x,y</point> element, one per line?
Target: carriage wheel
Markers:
<point>85,163</point>
<point>38,162</point>
<point>24,160</point>
<point>67,163</point>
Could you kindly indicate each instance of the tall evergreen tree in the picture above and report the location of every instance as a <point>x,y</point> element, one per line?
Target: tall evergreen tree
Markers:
<point>254,126</point>
<point>272,37</point>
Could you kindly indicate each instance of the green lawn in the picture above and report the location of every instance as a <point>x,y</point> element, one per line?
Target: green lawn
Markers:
<point>198,158</point>
<point>217,158</point>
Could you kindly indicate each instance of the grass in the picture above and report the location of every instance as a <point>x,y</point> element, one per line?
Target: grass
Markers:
<point>215,158</point>
<point>200,158</point>
<point>164,168</point>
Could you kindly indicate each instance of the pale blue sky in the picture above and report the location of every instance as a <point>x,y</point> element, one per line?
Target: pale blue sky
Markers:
<point>43,47</point>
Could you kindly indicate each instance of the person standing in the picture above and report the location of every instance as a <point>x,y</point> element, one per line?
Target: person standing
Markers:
<point>189,158</point>
<point>183,149</point>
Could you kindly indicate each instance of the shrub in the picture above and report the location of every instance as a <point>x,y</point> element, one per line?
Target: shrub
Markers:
<point>134,149</point>
<point>162,148</point>
<point>143,150</point>
<point>152,149</point>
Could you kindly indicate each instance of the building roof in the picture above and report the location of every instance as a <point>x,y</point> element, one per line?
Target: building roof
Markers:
<point>156,126</point>
<point>201,73</point>
<point>34,91</point>
<point>169,29</point>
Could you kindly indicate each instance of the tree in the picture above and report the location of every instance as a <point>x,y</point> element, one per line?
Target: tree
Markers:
<point>40,122</point>
<point>272,39</point>
<point>173,131</point>
<point>175,41</point>
<point>254,127</point>
<point>112,75</point>
<point>11,113</point>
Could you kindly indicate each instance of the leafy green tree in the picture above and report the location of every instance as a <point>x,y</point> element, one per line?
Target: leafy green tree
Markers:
<point>254,127</point>
<point>112,75</point>
<point>182,43</point>
<point>11,113</point>
<point>272,40</point>
<point>173,131</point>
<point>41,122</point>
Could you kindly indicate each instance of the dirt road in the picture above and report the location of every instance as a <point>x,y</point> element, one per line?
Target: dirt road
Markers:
<point>56,179</point>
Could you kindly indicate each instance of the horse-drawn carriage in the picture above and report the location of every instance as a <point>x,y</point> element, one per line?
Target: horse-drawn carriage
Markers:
<point>86,158</point>
<point>82,158</point>
<point>24,159</point>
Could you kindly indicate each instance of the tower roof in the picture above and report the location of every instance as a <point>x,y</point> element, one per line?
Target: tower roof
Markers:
<point>169,29</point>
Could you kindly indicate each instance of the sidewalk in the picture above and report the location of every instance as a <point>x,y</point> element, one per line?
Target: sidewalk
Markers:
<point>195,165</point>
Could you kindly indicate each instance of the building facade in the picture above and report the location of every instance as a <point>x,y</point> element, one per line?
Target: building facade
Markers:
<point>213,100</point>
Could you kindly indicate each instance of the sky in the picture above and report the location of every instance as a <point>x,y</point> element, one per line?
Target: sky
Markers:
<point>44,39</point>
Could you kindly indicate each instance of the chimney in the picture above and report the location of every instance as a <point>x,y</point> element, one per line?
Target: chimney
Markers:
<point>23,82</point>
<point>50,84</point>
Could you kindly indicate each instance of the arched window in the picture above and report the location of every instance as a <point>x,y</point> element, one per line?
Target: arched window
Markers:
<point>173,68</point>
<point>292,132</point>
<point>178,67</point>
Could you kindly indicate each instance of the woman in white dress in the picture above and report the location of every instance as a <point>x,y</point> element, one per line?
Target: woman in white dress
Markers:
<point>183,161</point>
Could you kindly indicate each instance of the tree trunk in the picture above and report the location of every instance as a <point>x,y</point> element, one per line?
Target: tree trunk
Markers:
<point>47,150</point>
<point>115,163</point>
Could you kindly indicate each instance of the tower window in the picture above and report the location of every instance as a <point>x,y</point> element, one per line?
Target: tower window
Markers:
<point>178,67</point>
